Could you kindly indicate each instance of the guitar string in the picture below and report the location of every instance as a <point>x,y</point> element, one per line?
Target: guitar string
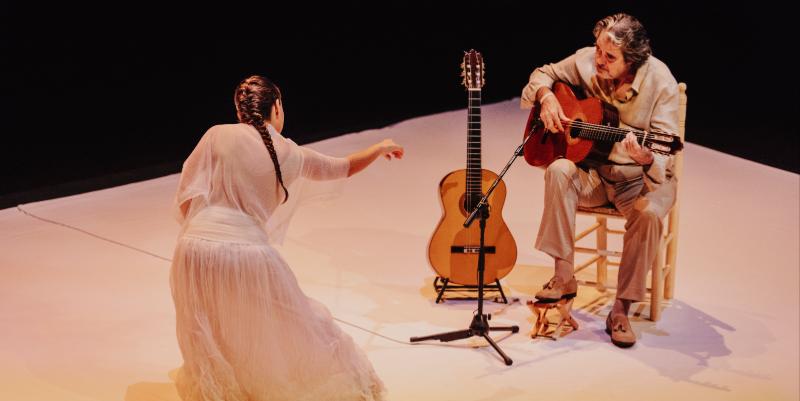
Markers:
<point>623,132</point>
<point>606,132</point>
<point>643,143</point>
<point>615,130</point>
<point>474,181</point>
<point>596,131</point>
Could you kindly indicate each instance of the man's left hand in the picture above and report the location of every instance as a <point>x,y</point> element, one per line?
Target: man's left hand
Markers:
<point>638,153</point>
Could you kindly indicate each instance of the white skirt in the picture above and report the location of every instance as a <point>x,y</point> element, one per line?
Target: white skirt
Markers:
<point>247,331</point>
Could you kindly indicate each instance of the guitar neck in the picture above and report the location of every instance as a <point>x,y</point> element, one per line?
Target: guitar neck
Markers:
<point>657,142</point>
<point>474,142</point>
<point>596,132</point>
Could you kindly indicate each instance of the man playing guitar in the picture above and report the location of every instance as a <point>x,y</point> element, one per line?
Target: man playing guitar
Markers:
<point>621,71</point>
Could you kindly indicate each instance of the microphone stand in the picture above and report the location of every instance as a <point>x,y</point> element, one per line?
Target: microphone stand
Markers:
<point>480,321</point>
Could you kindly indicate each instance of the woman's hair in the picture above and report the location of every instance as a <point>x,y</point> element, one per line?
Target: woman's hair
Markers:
<point>254,98</point>
<point>628,33</point>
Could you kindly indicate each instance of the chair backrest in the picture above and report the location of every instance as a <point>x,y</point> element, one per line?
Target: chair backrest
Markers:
<point>681,125</point>
<point>678,167</point>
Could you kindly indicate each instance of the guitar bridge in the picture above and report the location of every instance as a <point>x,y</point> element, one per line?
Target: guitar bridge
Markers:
<point>471,249</point>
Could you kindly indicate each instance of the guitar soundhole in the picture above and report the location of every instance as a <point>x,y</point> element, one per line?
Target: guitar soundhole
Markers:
<point>468,202</point>
<point>574,131</point>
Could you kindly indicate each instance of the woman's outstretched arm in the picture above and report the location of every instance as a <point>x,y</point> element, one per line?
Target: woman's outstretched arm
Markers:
<point>363,158</point>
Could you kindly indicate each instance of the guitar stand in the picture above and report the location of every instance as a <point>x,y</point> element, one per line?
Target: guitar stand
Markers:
<point>441,285</point>
<point>480,321</point>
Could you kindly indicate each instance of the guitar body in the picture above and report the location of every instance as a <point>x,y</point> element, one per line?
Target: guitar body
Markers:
<point>453,249</point>
<point>545,146</point>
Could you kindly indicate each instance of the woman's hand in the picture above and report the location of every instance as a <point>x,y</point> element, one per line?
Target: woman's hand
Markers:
<point>390,149</point>
<point>361,159</point>
<point>638,153</point>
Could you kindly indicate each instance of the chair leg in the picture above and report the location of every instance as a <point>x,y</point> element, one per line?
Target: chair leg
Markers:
<point>669,282</point>
<point>602,247</point>
<point>672,234</point>
<point>657,284</point>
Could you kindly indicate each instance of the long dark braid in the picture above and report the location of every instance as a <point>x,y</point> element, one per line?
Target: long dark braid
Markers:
<point>254,99</point>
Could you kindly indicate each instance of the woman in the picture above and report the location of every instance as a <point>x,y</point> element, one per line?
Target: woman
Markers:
<point>245,329</point>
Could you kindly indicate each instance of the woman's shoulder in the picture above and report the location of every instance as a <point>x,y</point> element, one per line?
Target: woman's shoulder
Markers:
<point>232,129</point>
<point>225,138</point>
<point>232,132</point>
<point>243,133</point>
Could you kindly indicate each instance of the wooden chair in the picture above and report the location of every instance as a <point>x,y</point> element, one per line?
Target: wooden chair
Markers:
<point>662,283</point>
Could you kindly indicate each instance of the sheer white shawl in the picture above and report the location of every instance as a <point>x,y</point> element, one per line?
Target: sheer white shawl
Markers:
<point>231,167</point>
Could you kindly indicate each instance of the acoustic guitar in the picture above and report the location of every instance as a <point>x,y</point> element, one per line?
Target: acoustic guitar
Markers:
<point>453,249</point>
<point>589,120</point>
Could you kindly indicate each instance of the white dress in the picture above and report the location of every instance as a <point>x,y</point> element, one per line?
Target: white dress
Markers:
<point>245,329</point>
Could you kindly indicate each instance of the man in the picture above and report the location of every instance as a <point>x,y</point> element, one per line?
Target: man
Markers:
<point>621,71</point>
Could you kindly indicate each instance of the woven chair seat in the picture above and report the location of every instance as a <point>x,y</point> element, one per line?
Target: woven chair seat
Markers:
<point>607,209</point>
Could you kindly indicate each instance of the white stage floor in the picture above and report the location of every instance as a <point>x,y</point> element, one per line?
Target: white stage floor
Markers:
<point>87,315</point>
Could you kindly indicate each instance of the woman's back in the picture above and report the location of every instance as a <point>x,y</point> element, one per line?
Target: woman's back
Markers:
<point>230,167</point>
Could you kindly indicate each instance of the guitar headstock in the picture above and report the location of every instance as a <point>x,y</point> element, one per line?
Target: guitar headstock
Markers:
<point>664,144</point>
<point>472,70</point>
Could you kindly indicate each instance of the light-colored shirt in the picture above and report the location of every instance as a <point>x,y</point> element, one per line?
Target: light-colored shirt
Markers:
<point>650,104</point>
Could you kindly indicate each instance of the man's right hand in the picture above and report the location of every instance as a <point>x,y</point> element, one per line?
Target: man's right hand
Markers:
<point>551,113</point>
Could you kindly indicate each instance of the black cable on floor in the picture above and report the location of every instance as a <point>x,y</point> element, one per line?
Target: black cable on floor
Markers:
<point>27,213</point>
<point>19,207</point>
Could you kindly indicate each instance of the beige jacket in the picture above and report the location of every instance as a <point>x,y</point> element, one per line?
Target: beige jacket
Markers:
<point>650,104</point>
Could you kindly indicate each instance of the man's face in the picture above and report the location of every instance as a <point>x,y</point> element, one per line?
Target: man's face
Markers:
<point>608,58</point>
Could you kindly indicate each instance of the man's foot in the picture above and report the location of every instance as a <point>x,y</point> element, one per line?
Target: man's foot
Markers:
<point>556,289</point>
<point>618,326</point>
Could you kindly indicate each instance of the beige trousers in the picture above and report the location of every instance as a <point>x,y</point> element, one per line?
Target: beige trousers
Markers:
<point>567,186</point>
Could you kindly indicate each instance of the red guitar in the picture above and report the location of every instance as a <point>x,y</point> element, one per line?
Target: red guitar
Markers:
<point>590,120</point>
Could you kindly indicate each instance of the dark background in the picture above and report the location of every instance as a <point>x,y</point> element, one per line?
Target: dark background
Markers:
<point>93,96</point>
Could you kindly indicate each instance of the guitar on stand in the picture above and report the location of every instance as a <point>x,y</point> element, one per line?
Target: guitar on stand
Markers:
<point>473,204</point>
<point>453,249</point>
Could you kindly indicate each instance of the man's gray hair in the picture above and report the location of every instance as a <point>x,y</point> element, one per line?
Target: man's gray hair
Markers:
<point>628,33</point>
